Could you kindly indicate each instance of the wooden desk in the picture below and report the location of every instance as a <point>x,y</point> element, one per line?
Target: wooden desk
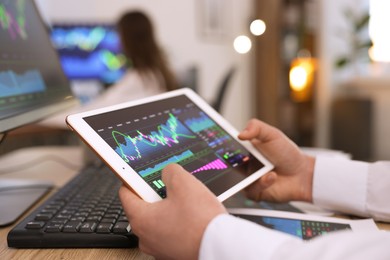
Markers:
<point>74,157</point>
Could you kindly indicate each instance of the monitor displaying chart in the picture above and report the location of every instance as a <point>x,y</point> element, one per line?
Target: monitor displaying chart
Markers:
<point>30,74</point>
<point>89,51</point>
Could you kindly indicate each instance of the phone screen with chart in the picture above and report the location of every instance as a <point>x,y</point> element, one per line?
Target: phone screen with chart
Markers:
<point>175,130</point>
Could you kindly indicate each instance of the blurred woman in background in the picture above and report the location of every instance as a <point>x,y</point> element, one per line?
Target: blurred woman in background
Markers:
<point>148,72</point>
<point>143,52</point>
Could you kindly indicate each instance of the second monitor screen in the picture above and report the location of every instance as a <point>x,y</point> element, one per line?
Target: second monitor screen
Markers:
<point>89,51</point>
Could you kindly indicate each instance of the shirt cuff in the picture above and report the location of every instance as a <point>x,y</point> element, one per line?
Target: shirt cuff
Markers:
<point>229,237</point>
<point>340,184</point>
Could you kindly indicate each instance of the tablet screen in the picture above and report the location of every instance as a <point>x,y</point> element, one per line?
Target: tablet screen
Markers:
<point>150,136</point>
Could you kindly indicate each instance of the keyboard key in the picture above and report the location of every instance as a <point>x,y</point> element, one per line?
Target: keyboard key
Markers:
<point>54,228</point>
<point>111,216</point>
<point>62,217</point>
<point>48,211</point>
<point>72,227</point>
<point>114,211</point>
<point>79,219</point>
<point>43,216</point>
<point>58,221</point>
<point>67,212</point>
<point>35,224</point>
<point>94,218</point>
<point>121,227</point>
<point>108,220</point>
<point>88,227</point>
<point>80,214</point>
<point>104,228</point>
<point>85,210</point>
<point>103,209</point>
<point>123,219</point>
<point>97,213</point>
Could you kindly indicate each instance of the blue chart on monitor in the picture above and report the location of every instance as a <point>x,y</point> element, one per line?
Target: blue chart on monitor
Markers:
<point>97,64</point>
<point>89,52</point>
<point>160,139</point>
<point>12,84</point>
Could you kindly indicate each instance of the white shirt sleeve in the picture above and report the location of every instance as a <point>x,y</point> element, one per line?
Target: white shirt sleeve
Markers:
<point>353,187</point>
<point>228,237</point>
<point>343,185</point>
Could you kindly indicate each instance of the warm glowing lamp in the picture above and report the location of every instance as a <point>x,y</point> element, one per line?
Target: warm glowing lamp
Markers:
<point>301,78</point>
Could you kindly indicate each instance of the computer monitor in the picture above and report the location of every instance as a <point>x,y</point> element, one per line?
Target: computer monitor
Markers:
<point>32,83</point>
<point>89,51</point>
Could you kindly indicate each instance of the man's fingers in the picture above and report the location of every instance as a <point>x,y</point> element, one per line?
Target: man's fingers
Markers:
<point>247,132</point>
<point>268,179</point>
<point>133,202</point>
<point>169,171</point>
<point>171,175</point>
<point>254,190</point>
<point>259,130</point>
<point>178,180</point>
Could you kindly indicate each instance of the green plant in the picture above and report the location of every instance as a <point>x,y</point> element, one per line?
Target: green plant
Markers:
<point>359,45</point>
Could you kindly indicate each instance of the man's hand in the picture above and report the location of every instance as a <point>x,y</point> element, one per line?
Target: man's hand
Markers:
<point>173,227</point>
<point>292,177</point>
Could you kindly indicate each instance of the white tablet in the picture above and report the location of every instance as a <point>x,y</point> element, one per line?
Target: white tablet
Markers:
<point>138,139</point>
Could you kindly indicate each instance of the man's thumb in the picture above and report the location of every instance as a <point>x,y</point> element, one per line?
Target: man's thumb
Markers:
<point>175,178</point>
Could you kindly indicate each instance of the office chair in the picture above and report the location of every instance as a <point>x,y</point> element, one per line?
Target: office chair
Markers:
<point>189,78</point>
<point>217,103</point>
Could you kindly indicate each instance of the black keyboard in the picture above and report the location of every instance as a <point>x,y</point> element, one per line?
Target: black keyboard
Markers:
<point>85,213</point>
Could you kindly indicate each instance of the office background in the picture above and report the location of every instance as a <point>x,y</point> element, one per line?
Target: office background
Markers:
<point>193,41</point>
<point>345,107</point>
<point>181,33</point>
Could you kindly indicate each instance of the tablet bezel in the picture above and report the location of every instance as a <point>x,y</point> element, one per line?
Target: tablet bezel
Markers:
<point>134,181</point>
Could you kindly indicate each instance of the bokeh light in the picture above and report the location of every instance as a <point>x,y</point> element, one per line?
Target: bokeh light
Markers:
<point>242,44</point>
<point>257,27</point>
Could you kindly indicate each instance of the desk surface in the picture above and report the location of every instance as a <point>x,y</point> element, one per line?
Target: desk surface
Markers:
<point>64,161</point>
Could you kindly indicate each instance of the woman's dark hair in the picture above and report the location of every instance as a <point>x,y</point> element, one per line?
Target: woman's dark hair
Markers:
<point>140,46</point>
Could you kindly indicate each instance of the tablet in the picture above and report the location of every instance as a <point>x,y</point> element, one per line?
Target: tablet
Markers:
<point>302,225</point>
<point>138,139</point>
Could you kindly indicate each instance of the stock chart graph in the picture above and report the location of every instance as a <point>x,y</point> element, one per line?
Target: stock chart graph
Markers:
<point>89,51</point>
<point>13,84</point>
<point>160,140</point>
<point>150,137</point>
<point>30,74</point>
<point>19,75</point>
<point>158,143</point>
<point>189,141</point>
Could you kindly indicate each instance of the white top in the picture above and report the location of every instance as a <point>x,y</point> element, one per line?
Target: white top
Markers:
<point>131,86</point>
<point>347,186</point>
